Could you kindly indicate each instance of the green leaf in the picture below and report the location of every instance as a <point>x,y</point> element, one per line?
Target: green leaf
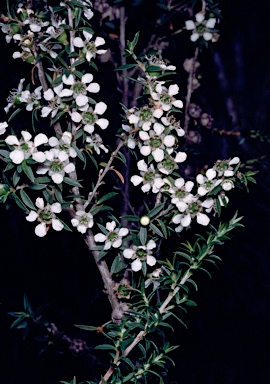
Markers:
<point>130,218</point>
<point>5,153</point>
<point>58,195</point>
<point>126,66</point>
<point>156,230</point>
<point>14,114</point>
<point>78,62</point>
<point>28,171</point>
<point>57,117</point>
<point>97,209</point>
<point>105,346</point>
<point>143,235</point>
<point>26,199</point>
<point>153,68</point>
<point>86,327</point>
<point>16,178</point>
<point>19,202</point>
<point>106,197</point>
<point>155,210</point>
<point>72,182</point>
<point>163,228</point>
<point>117,265</point>
<point>42,180</point>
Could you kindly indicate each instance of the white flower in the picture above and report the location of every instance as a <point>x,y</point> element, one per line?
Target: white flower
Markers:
<point>54,99</point>
<point>25,148</point>
<point>46,216</point>
<point>114,236</point>
<point>169,164</point>
<point>56,164</point>
<point>149,178</point>
<point>141,253</point>
<point>63,144</point>
<point>227,185</point>
<point>164,97</point>
<point>95,141</point>
<point>89,48</point>
<point>201,28</point>
<point>181,190</point>
<point>207,182</point>
<point>224,167</point>
<point>90,117</point>
<point>82,220</point>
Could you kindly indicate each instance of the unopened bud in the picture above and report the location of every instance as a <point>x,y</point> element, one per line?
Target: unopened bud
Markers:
<point>144,220</point>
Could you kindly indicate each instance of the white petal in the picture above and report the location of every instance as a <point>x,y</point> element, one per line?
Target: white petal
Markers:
<point>40,139</point>
<point>158,128</point>
<point>68,80</point>
<point>102,123</point>
<point>41,230</point>
<point>53,141</point>
<point>151,244</point>
<point>87,35</point>
<point>39,157</point>
<point>202,219</point>
<point>186,220</point>
<point>45,111</point>
<point>179,182</point>
<point>133,119</point>
<point>110,225</point>
<point>136,265</point>
<point>158,155</point>
<point>235,160</point>
<point>26,136</point>
<point>158,113</point>
<point>200,178</point>
<point>56,208</point>
<point>228,173</point>
<point>199,17</point>
<point>136,180</point>
<point>145,150</point>
<point>146,188</point>
<point>173,89</point>
<point>62,156</point>
<point>128,253</point>
<point>57,178</point>
<point>123,232</point>
<point>169,141</point>
<point>190,25</point>
<point>81,100</point>
<point>100,108</point>
<point>151,260</point>
<point>78,42</point>
<point>89,128</point>
<point>211,173</point>
<point>207,36</point>
<point>69,168</point>
<point>75,222</point>
<point>93,88</point>
<point>87,78</point>
<point>180,157</point>
<point>194,37</point>
<point>177,219</point>
<point>208,203</point>
<point>32,216</point>
<point>57,225</point>
<point>142,166</point>
<point>202,191</point>
<point>211,23</point>
<point>66,93</point>
<point>178,103</point>
<point>76,117</point>
<point>99,41</point>
<point>12,140</point>
<point>99,237</point>
<point>117,243</point>
<point>146,126</point>
<point>40,202</point>
<point>49,94</point>
<point>17,156</point>
<point>144,135</point>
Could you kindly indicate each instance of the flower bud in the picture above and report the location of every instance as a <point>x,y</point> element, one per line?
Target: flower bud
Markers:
<point>145,220</point>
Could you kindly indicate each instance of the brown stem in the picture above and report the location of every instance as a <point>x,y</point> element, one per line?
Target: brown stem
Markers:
<point>190,88</point>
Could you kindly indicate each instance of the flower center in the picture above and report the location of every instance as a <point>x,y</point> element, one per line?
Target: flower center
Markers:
<point>155,142</point>
<point>141,253</point>
<point>180,193</point>
<point>194,208</point>
<point>64,147</point>
<point>149,176</point>
<point>24,147</point>
<point>56,166</point>
<point>45,215</point>
<point>112,236</point>
<point>145,114</point>
<point>90,46</point>
<point>84,220</point>
<point>165,99</point>
<point>222,166</point>
<point>208,184</point>
<point>88,118</point>
<point>79,88</point>
<point>168,164</point>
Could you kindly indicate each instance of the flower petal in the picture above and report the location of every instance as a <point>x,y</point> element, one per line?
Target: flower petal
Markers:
<point>41,230</point>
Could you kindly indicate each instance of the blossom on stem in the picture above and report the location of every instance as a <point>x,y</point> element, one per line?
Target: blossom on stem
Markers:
<point>63,144</point>
<point>90,117</point>
<point>46,216</point>
<point>207,182</point>
<point>56,164</point>
<point>82,220</point>
<point>141,253</point>
<point>201,28</point>
<point>114,236</point>
<point>89,48</point>
<point>25,148</point>
<point>149,178</point>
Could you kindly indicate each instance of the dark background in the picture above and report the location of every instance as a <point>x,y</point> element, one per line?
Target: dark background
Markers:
<point>227,340</point>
